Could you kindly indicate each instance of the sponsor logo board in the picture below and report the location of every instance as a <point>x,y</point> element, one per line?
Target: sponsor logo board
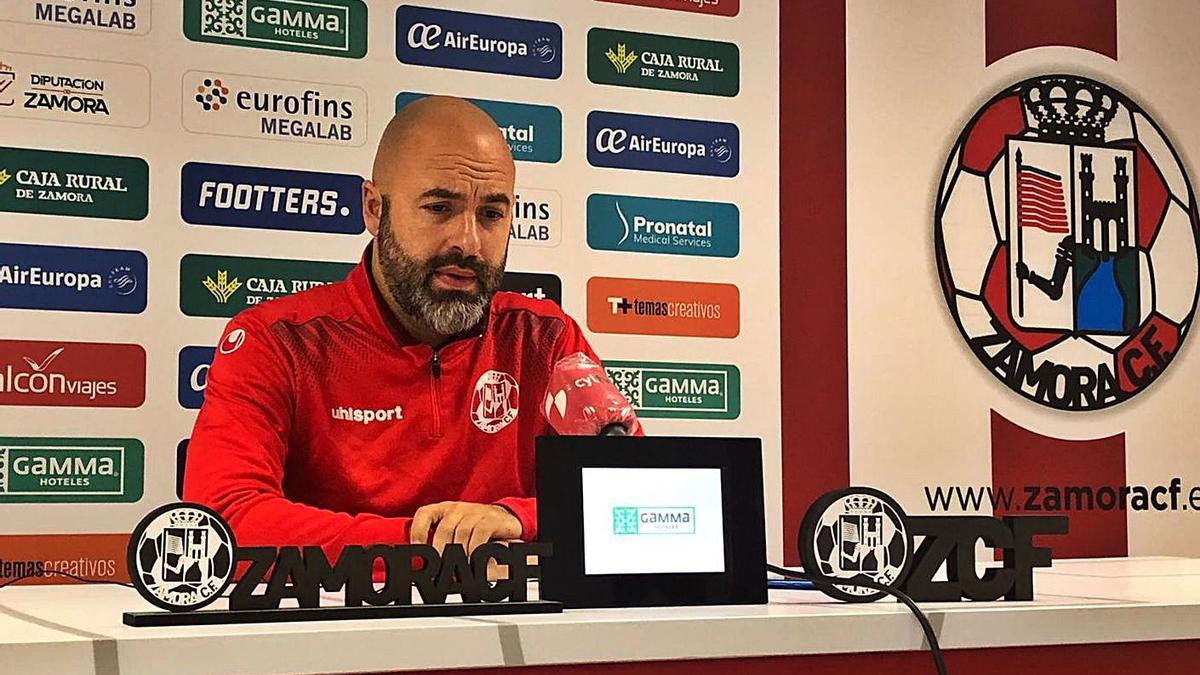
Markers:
<point>649,143</point>
<point>213,285</point>
<point>479,42</point>
<point>126,16</point>
<point>655,225</point>
<point>329,27</point>
<point>72,278</point>
<point>653,307</point>
<point>664,62</point>
<point>533,132</point>
<point>60,89</point>
<point>72,374</point>
<point>53,470</point>
<point>697,391</point>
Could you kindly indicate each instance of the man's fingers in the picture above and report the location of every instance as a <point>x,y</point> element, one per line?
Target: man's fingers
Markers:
<point>466,526</point>
<point>444,533</point>
<point>423,520</point>
<point>481,535</point>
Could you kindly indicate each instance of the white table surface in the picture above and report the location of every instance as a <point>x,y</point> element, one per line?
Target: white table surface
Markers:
<point>78,629</point>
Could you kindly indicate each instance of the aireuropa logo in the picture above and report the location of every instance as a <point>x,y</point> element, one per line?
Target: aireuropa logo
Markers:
<point>654,520</point>
<point>665,62</point>
<point>479,42</point>
<point>533,285</point>
<point>329,27</point>
<point>648,143</point>
<point>695,391</point>
<point>716,7</point>
<point>73,184</point>
<point>74,90</point>
<point>63,470</point>
<point>72,279</point>
<point>75,374</point>
<point>213,285</point>
<point>654,225</point>
<point>127,16</point>
<point>653,307</point>
<point>533,132</point>
<point>226,104</point>
<point>193,375</point>
<point>536,218</point>
<point>272,199</point>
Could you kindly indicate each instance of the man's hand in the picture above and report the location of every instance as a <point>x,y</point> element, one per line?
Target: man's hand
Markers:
<point>471,525</point>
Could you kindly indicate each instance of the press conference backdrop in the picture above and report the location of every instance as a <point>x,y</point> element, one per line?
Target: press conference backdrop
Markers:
<point>165,165</point>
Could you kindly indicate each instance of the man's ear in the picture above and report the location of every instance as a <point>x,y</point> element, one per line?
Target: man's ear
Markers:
<point>372,206</point>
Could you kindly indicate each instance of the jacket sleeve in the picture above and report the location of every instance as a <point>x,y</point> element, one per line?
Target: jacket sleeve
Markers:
<point>570,341</point>
<point>239,447</point>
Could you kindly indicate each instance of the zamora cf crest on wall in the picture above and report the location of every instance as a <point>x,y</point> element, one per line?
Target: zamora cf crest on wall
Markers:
<point>1065,234</point>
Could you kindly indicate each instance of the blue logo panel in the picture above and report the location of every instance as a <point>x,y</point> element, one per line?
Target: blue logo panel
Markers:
<point>193,375</point>
<point>648,143</point>
<point>480,42</point>
<point>72,279</point>
<point>653,225</point>
<point>533,132</point>
<point>271,199</point>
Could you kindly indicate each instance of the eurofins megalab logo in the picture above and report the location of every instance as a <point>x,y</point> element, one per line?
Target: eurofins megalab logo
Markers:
<point>1065,232</point>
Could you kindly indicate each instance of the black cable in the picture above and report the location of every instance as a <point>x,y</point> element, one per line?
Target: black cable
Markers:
<point>43,573</point>
<point>934,648</point>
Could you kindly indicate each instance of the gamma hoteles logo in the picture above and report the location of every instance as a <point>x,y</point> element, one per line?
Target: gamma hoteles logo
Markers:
<point>49,470</point>
<point>328,27</point>
<point>1065,229</point>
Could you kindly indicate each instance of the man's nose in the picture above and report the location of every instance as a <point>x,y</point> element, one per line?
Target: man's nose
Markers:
<point>465,233</point>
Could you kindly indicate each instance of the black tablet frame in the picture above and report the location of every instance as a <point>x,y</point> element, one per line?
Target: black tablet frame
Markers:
<point>560,460</point>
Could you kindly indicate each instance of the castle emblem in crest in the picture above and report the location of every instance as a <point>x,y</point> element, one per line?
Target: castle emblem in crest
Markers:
<point>1065,229</point>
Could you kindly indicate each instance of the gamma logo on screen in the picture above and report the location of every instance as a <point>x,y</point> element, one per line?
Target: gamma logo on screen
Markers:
<point>696,391</point>
<point>533,132</point>
<point>330,27</point>
<point>654,520</point>
<point>666,62</point>
<point>480,42</point>
<point>214,285</point>
<point>653,307</point>
<point>72,278</point>
<point>716,7</point>
<point>654,225</point>
<point>73,184</point>
<point>54,470</point>
<point>75,374</point>
<point>270,199</point>
<point>648,143</point>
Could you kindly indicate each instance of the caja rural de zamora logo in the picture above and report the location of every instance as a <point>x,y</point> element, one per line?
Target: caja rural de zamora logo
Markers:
<point>1065,233</point>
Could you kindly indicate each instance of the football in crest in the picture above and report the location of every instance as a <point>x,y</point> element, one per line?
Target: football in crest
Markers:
<point>1066,244</point>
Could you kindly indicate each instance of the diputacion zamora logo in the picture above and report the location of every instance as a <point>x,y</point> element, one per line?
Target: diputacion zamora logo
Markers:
<point>479,42</point>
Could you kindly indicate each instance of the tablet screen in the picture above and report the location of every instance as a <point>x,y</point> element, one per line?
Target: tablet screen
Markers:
<point>652,520</point>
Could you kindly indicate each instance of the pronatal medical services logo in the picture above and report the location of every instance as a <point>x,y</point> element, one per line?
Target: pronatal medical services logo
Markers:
<point>259,107</point>
<point>73,184</point>
<point>211,285</point>
<point>666,62</point>
<point>1065,230</point>
<point>479,42</point>
<point>654,520</point>
<point>716,7</point>
<point>36,86</point>
<point>696,391</point>
<point>494,404</point>
<point>536,218</point>
<point>653,225</point>
<point>648,143</point>
<point>50,470</point>
<point>272,199</point>
<point>77,374</point>
<point>72,278</point>
<point>181,557</point>
<point>330,27</point>
<point>533,132</point>
<point>651,307</point>
<point>118,16</point>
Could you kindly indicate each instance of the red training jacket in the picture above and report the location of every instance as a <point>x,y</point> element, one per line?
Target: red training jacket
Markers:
<point>325,424</point>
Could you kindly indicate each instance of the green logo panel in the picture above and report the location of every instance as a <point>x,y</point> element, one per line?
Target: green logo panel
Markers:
<point>330,27</point>
<point>215,285</point>
<point>665,62</point>
<point>73,184</point>
<point>61,470</point>
<point>679,390</point>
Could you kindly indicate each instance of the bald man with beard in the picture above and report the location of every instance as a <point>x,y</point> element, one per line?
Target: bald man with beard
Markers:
<point>400,405</point>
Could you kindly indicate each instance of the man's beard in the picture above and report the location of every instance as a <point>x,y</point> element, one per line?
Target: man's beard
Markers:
<point>410,281</point>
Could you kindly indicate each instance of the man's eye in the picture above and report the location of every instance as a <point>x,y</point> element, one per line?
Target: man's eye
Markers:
<point>437,208</point>
<point>493,214</point>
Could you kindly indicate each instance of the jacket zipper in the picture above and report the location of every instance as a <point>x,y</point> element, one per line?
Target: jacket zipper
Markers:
<point>435,393</point>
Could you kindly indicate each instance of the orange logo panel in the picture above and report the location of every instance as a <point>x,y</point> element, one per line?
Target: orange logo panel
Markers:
<point>91,556</point>
<point>651,307</point>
